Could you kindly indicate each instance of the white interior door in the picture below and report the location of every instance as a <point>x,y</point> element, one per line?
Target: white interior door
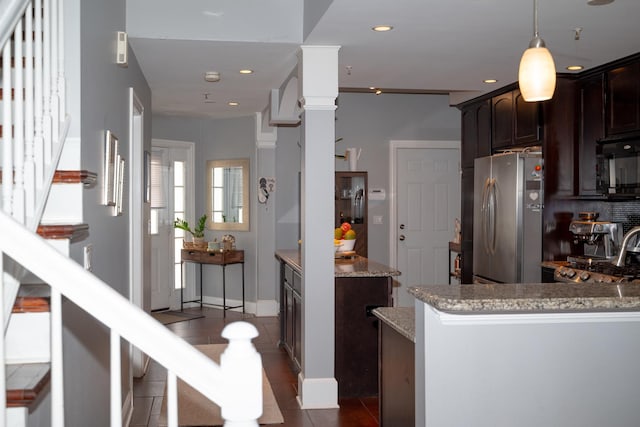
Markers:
<point>139,261</point>
<point>427,188</point>
<point>171,198</point>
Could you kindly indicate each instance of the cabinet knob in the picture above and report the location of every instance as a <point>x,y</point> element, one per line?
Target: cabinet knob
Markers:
<point>401,226</point>
<point>401,237</point>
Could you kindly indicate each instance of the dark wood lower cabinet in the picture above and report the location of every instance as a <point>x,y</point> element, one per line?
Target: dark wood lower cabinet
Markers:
<point>356,329</point>
<point>397,378</point>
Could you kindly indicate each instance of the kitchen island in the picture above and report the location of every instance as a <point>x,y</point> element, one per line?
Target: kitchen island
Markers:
<point>527,355</point>
<point>361,285</point>
<point>396,361</point>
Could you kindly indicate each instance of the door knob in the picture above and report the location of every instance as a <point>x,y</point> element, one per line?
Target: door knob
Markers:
<point>401,226</point>
<point>402,237</point>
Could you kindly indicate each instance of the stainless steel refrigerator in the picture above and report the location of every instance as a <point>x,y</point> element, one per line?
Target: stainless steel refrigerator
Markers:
<point>507,218</point>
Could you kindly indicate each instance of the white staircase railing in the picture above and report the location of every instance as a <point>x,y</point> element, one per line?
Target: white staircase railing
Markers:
<point>34,121</point>
<point>236,385</point>
<point>34,127</point>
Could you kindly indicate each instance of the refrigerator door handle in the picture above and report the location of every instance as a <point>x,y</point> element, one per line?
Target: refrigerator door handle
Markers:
<point>485,213</point>
<point>492,202</point>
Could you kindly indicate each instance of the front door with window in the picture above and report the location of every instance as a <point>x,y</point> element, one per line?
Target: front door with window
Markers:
<point>171,198</point>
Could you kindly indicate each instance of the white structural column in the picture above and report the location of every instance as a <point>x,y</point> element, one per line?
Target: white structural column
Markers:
<point>318,77</point>
<point>266,272</point>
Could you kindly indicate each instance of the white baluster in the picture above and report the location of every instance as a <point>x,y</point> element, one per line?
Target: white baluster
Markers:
<point>29,165</point>
<point>38,140</point>
<point>172,399</point>
<point>62,86</point>
<point>18,126</point>
<point>7,143</point>
<point>55,113</point>
<point>3,381</point>
<point>242,371</point>
<point>46,81</point>
<point>116,382</point>
<point>57,361</point>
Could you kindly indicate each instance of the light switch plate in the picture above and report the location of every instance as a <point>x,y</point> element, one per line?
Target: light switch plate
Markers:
<point>377,219</point>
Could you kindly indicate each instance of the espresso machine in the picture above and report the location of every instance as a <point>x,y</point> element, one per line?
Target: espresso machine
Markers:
<point>600,239</point>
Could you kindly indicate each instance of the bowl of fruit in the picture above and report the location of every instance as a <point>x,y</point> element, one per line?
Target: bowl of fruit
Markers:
<point>344,238</point>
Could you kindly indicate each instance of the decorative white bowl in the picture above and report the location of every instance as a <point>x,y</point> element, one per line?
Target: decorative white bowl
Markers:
<point>346,245</point>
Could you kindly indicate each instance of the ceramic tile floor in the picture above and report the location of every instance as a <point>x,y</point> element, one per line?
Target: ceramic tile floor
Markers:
<point>149,390</point>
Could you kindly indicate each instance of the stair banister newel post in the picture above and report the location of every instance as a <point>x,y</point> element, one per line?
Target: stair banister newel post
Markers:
<point>242,372</point>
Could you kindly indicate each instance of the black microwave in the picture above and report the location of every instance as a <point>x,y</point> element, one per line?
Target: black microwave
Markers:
<point>618,168</point>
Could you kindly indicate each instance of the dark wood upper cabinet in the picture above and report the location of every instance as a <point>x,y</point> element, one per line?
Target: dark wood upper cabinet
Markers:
<point>623,99</point>
<point>476,132</point>
<point>591,131</point>
<point>516,123</point>
<point>560,136</point>
<point>526,123</point>
<point>502,109</point>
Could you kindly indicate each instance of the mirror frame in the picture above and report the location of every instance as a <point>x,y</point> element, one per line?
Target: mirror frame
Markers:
<point>237,226</point>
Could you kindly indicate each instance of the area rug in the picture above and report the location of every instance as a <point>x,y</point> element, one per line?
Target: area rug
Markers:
<point>167,317</point>
<point>196,410</point>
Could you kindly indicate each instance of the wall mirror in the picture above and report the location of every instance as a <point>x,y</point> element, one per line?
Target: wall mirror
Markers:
<point>228,194</point>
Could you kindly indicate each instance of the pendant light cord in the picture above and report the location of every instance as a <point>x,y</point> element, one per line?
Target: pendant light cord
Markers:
<point>536,41</point>
<point>535,18</point>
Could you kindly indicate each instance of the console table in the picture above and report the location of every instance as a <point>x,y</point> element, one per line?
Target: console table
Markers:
<point>216,258</point>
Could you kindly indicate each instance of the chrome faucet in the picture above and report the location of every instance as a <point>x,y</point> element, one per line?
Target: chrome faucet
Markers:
<point>619,260</point>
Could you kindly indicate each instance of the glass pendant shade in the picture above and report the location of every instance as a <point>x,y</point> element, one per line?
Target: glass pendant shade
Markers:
<point>537,74</point>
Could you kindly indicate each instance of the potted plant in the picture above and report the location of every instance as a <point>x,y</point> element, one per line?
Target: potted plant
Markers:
<point>197,232</point>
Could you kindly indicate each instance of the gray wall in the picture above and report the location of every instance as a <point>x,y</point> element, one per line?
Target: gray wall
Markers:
<point>99,100</point>
<point>218,140</point>
<point>366,121</point>
<point>369,122</point>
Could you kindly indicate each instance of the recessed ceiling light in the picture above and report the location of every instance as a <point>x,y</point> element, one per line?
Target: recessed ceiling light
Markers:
<point>212,76</point>
<point>233,103</point>
<point>382,28</point>
<point>246,71</point>
<point>490,80</point>
<point>574,67</point>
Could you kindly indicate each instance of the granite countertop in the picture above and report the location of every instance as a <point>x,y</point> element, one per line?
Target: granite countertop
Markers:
<point>347,267</point>
<point>402,319</point>
<point>531,298</point>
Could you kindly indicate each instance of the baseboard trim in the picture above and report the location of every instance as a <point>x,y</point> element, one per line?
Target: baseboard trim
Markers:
<point>317,393</point>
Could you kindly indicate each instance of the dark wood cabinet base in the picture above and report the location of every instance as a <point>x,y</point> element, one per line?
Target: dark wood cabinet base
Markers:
<point>356,328</point>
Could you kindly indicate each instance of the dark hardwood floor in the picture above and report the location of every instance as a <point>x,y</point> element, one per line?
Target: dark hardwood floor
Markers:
<point>149,390</point>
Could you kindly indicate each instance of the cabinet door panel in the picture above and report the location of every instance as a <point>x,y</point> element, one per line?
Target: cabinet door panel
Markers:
<point>297,330</point>
<point>502,106</point>
<point>623,103</point>
<point>288,319</point>
<point>592,129</point>
<point>527,120</point>
<point>484,130</point>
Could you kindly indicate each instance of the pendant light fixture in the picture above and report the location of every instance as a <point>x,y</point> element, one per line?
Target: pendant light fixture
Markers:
<point>537,74</point>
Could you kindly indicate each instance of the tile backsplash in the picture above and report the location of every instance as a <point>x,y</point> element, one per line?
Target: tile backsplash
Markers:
<point>558,241</point>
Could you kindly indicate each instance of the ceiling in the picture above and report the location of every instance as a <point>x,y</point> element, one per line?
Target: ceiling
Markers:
<point>435,46</point>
